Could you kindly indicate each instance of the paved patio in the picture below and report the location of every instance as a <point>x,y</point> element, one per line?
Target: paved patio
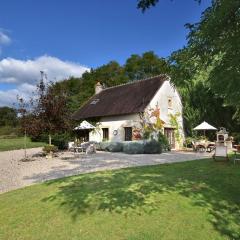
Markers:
<point>14,173</point>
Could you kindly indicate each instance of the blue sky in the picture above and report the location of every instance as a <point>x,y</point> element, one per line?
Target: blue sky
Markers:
<point>71,34</point>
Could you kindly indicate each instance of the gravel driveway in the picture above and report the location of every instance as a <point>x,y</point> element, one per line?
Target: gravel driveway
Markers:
<point>14,173</point>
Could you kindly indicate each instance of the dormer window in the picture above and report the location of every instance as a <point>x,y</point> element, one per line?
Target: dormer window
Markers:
<point>94,101</point>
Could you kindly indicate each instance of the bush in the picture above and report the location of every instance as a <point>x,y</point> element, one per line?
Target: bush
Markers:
<point>152,147</point>
<point>236,138</point>
<point>61,140</point>
<point>188,142</point>
<point>133,147</point>
<point>50,148</point>
<point>115,147</point>
<point>103,146</point>
<point>164,142</point>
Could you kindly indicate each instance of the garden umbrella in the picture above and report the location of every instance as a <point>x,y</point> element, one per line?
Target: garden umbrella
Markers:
<point>84,125</point>
<point>204,126</point>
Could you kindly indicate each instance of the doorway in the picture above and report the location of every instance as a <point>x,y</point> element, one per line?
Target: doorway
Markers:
<point>169,134</point>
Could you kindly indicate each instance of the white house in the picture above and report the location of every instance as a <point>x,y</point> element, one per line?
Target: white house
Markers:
<point>117,110</point>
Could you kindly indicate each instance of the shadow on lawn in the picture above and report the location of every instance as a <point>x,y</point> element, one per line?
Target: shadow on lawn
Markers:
<point>208,184</point>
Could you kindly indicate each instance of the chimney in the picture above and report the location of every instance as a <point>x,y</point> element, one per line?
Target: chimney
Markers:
<point>98,87</point>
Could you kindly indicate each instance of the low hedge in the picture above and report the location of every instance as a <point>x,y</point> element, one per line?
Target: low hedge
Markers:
<point>110,146</point>
<point>152,147</point>
<point>133,147</point>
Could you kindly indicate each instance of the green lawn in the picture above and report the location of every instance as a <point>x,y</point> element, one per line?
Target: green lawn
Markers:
<point>191,200</point>
<point>18,143</point>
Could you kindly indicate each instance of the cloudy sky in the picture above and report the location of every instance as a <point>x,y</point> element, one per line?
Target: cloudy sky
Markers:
<point>66,38</point>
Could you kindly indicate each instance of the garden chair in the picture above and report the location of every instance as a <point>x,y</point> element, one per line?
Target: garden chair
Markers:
<point>194,146</point>
<point>70,146</point>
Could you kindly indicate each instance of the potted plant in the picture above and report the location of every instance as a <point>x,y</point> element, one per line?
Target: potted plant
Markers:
<point>50,150</point>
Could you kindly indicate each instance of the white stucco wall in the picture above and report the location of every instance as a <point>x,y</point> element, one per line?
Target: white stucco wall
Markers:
<point>114,123</point>
<point>161,100</point>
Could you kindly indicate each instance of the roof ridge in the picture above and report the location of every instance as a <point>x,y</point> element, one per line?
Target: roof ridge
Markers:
<point>138,81</point>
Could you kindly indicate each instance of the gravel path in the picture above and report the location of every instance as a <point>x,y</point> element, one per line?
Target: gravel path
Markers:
<point>15,173</point>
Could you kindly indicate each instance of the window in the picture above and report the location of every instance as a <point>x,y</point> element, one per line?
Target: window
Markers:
<point>170,102</point>
<point>128,134</point>
<point>105,134</point>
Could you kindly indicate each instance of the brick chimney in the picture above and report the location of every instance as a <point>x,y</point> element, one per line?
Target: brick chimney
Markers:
<point>98,87</point>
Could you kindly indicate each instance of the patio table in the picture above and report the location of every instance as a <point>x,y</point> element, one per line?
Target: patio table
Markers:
<point>78,149</point>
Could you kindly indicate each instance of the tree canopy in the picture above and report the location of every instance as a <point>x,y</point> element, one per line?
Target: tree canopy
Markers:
<point>8,116</point>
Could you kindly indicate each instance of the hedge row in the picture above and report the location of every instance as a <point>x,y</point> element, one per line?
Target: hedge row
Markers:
<point>138,147</point>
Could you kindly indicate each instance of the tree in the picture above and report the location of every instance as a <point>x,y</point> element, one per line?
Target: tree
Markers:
<point>147,65</point>
<point>146,4</point>
<point>8,116</point>
<point>47,112</point>
<point>200,101</point>
<point>215,41</point>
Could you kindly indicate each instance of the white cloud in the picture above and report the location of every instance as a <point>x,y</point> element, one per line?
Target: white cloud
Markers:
<point>21,71</point>
<point>9,97</point>
<point>25,73</point>
<point>4,38</point>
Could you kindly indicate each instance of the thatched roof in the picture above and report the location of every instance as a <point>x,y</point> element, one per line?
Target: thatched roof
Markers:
<point>123,99</point>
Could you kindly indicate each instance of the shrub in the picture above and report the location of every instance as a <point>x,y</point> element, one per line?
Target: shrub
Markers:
<point>236,138</point>
<point>115,147</point>
<point>188,142</point>
<point>133,147</point>
<point>50,148</point>
<point>61,140</point>
<point>103,146</point>
<point>152,147</point>
<point>164,142</point>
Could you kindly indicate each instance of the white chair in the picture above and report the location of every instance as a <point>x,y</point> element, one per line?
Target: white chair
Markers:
<point>70,146</point>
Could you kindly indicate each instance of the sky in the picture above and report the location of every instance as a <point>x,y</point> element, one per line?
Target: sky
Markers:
<point>68,37</point>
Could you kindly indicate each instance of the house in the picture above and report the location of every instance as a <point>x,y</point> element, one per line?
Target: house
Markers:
<point>117,110</point>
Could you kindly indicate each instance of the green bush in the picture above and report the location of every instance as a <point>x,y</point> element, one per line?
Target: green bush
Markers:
<point>61,140</point>
<point>50,148</point>
<point>103,146</point>
<point>164,142</point>
<point>188,142</point>
<point>115,147</point>
<point>236,138</point>
<point>133,147</point>
<point>152,147</point>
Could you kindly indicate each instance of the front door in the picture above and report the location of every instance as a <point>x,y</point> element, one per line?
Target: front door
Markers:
<point>169,133</point>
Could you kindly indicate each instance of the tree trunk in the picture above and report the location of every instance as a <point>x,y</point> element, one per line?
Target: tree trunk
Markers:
<point>25,144</point>
<point>49,139</point>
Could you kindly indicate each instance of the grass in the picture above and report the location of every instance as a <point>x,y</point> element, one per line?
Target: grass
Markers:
<point>18,143</point>
<point>190,200</point>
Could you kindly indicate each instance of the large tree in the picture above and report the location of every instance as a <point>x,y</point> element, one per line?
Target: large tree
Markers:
<point>215,40</point>
<point>46,112</point>
<point>214,44</point>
